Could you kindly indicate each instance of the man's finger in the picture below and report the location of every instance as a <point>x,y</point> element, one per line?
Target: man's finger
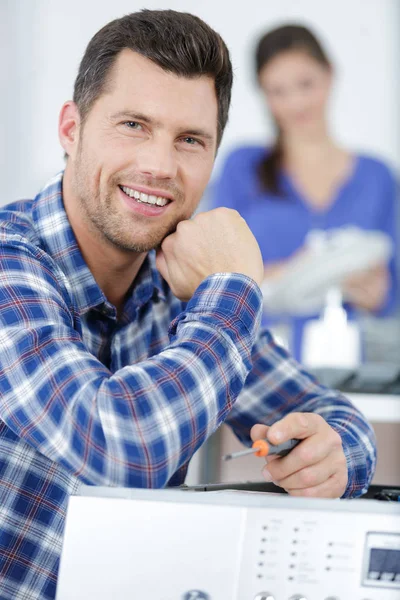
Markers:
<point>161,264</point>
<point>311,475</point>
<point>334,487</point>
<point>309,452</point>
<point>259,432</point>
<point>295,426</point>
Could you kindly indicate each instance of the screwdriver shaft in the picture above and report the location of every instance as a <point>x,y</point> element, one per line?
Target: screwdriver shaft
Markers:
<point>241,453</point>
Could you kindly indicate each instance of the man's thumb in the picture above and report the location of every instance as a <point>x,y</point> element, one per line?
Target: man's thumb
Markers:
<point>161,264</point>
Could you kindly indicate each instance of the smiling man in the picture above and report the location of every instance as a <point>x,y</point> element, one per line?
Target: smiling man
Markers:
<point>129,330</point>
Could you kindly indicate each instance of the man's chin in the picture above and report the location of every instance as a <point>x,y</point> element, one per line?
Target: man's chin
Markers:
<point>136,246</point>
<point>135,239</point>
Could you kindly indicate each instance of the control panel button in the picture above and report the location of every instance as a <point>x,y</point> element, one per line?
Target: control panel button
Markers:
<point>387,576</point>
<point>264,596</point>
<point>298,597</point>
<point>373,575</point>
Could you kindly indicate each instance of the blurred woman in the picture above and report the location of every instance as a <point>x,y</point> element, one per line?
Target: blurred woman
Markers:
<point>305,180</point>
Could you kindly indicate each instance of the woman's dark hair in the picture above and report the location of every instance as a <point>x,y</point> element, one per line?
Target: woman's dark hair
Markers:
<point>177,42</point>
<point>277,41</point>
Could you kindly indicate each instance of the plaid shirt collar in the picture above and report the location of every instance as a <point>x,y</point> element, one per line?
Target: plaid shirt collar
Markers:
<point>58,240</point>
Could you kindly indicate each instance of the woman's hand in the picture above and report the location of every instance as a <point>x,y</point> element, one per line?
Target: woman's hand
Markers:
<point>274,270</point>
<point>367,290</point>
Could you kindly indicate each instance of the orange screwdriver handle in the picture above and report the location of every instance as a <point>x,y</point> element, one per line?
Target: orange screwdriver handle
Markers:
<point>263,447</point>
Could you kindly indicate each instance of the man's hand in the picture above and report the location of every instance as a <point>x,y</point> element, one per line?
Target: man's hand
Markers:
<point>218,241</point>
<point>314,468</point>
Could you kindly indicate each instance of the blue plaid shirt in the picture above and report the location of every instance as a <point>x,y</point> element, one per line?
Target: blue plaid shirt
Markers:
<point>86,397</point>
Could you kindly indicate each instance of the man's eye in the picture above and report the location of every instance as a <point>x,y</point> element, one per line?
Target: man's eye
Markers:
<point>133,125</point>
<point>190,140</point>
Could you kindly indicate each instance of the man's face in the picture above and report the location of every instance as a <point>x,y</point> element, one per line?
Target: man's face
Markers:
<point>144,154</point>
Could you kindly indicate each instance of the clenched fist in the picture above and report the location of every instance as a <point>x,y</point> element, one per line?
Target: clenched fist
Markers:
<point>317,467</point>
<point>218,241</point>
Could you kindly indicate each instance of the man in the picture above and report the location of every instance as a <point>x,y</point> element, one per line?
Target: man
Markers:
<point>112,371</point>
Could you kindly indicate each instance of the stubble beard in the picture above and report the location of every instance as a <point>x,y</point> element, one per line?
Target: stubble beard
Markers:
<point>105,221</point>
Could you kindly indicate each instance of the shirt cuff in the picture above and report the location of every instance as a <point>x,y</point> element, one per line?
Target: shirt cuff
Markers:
<point>229,300</point>
<point>360,464</point>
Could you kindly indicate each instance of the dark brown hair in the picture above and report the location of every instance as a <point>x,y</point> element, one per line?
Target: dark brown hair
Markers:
<point>277,41</point>
<point>178,42</point>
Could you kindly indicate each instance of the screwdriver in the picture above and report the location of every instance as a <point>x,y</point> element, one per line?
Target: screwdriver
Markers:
<point>263,448</point>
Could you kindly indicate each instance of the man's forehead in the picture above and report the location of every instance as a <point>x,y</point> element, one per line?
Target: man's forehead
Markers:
<point>132,65</point>
<point>130,61</point>
<point>142,84</point>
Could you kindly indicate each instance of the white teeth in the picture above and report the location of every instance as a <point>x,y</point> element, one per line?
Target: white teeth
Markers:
<point>146,198</point>
<point>128,191</point>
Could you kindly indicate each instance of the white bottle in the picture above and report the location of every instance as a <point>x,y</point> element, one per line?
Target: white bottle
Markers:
<point>332,341</point>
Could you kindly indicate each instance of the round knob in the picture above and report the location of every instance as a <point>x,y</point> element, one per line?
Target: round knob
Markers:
<point>264,596</point>
<point>298,597</point>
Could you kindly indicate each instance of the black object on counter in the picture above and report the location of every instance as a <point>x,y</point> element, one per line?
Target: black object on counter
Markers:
<point>375,492</point>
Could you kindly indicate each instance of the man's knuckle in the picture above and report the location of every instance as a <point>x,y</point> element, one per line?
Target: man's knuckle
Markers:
<point>223,211</point>
<point>308,477</point>
<point>342,468</point>
<point>340,483</point>
<point>310,492</point>
<point>306,455</point>
<point>336,440</point>
<point>181,226</point>
<point>166,243</point>
<point>276,472</point>
<point>319,420</point>
<point>303,420</point>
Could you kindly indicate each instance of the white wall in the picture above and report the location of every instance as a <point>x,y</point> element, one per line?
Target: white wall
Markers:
<point>6,92</point>
<point>48,38</point>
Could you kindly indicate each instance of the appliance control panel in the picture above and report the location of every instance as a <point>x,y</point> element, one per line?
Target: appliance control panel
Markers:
<point>312,555</point>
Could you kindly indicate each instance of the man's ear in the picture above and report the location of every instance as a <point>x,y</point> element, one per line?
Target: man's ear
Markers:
<point>68,127</point>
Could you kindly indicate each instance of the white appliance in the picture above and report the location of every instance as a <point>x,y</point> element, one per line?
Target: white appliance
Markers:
<point>325,262</point>
<point>189,545</point>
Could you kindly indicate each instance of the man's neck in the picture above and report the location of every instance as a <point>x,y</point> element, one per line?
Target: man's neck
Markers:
<point>113,268</point>
<point>113,271</point>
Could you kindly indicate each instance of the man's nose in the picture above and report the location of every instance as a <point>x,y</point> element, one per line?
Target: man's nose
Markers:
<point>156,158</point>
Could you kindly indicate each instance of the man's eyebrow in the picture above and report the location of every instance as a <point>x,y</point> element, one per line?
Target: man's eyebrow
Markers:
<point>199,133</point>
<point>133,116</point>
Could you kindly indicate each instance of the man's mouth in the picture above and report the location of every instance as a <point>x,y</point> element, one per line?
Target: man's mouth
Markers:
<point>143,198</point>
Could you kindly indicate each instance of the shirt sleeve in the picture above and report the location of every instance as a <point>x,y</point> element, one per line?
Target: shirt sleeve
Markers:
<point>136,427</point>
<point>277,386</point>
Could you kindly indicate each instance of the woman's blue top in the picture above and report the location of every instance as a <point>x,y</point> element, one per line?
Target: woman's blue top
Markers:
<point>366,199</point>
